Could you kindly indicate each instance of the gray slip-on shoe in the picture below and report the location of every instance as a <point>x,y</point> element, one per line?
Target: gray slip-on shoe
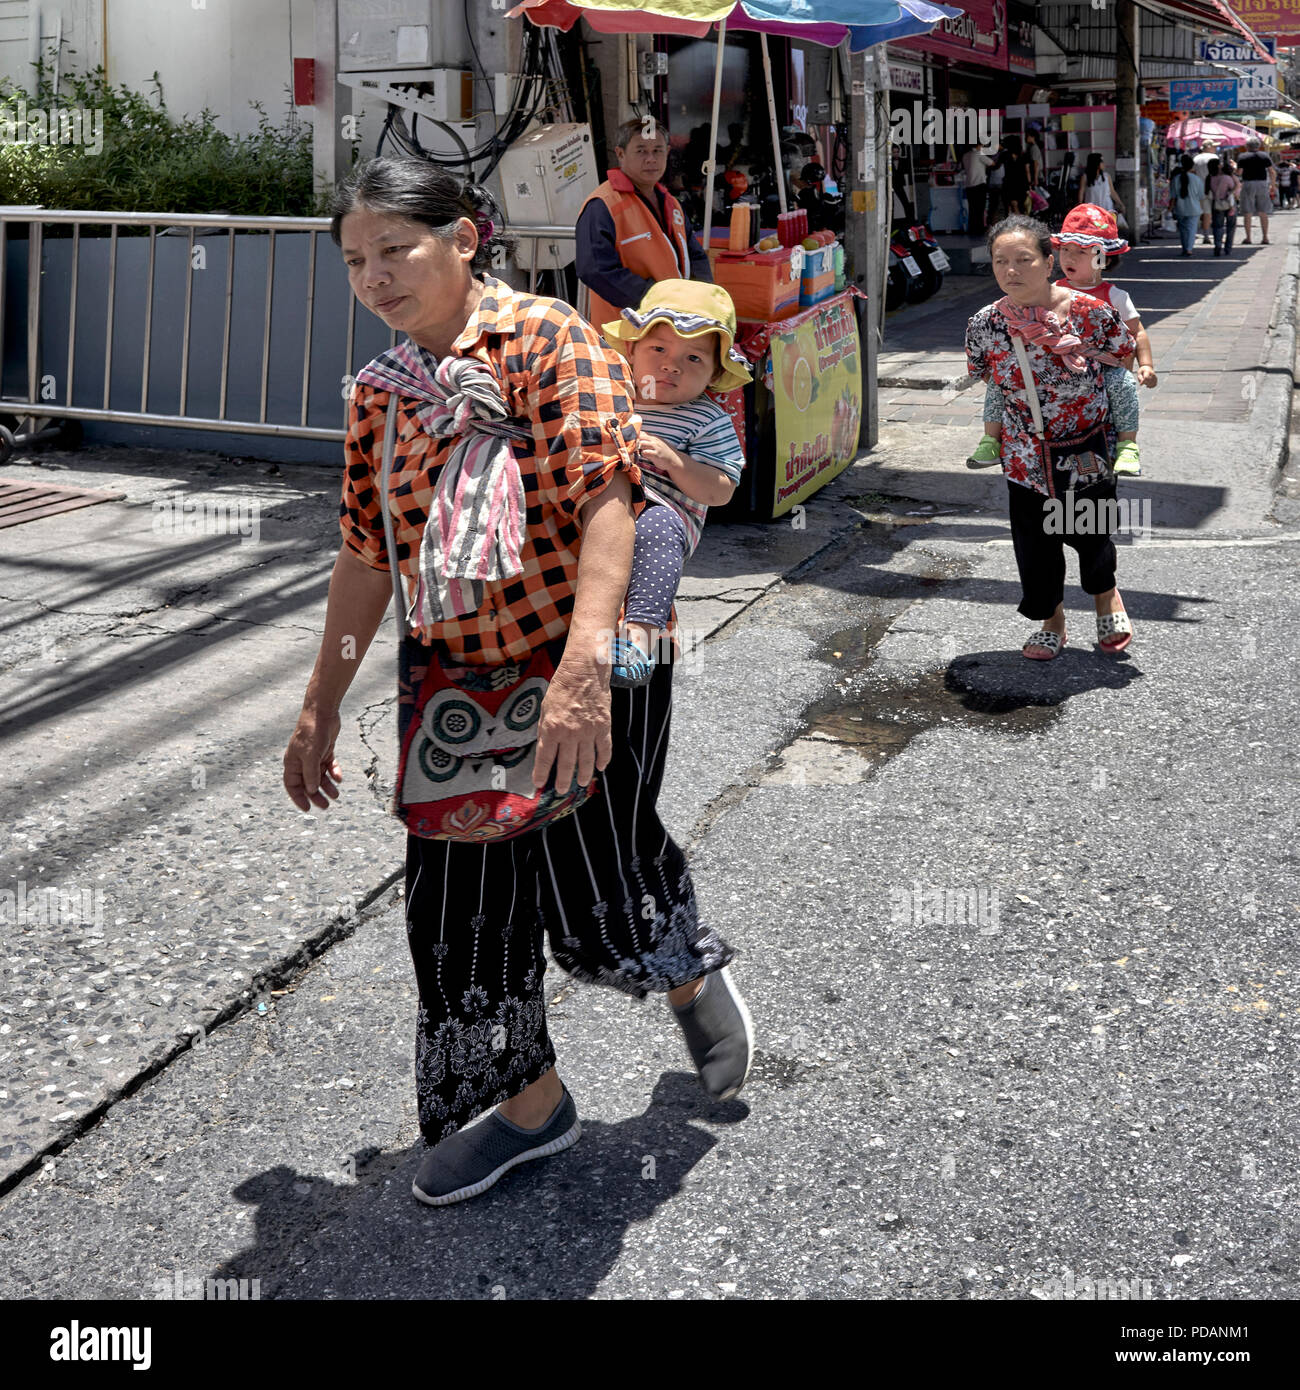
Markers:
<point>719,1034</point>
<point>472,1159</point>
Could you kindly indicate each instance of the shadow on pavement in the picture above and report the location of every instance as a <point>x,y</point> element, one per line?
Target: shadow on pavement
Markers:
<point>553,1228</point>
<point>998,682</point>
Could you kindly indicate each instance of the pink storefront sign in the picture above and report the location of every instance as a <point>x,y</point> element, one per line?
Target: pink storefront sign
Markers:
<point>978,36</point>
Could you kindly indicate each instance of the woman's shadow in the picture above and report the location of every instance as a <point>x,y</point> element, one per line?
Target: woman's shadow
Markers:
<point>1003,680</point>
<point>548,1229</point>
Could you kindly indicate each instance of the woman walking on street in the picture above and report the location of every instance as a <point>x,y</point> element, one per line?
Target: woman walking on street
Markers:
<point>1015,183</point>
<point>492,454</point>
<point>1044,347</point>
<point>1186,191</point>
<point>1224,190</point>
<point>1095,187</point>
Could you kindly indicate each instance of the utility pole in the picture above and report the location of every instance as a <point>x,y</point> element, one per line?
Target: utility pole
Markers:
<point>866,213</point>
<point>332,113</point>
<point>1128,159</point>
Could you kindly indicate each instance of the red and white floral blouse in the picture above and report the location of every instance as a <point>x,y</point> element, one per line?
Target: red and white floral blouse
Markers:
<point>1071,402</point>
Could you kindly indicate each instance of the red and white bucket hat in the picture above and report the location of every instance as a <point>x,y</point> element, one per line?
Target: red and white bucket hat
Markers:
<point>1089,225</point>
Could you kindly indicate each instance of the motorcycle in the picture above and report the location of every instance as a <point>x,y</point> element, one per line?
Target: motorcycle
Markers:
<point>905,281</point>
<point>925,251</point>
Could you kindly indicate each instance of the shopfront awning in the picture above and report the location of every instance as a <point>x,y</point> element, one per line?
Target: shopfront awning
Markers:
<point>1171,29</point>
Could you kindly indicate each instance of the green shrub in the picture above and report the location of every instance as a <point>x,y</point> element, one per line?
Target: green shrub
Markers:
<point>152,161</point>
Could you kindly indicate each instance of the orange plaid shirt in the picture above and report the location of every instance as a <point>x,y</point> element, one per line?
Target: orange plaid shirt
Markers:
<point>576,397</point>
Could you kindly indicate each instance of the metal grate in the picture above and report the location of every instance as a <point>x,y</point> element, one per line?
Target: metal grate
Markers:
<point>21,502</point>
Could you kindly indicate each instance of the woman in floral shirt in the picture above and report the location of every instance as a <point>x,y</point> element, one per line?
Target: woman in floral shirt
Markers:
<point>1067,337</point>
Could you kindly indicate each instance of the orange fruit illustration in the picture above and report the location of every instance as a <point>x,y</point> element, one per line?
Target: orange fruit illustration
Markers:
<point>801,390</point>
<point>790,359</point>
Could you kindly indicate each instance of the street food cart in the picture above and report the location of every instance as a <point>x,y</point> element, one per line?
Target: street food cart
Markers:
<point>798,328</point>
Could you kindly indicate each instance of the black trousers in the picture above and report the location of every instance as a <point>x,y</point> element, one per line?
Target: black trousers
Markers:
<point>607,885</point>
<point>975,202</point>
<point>1040,546</point>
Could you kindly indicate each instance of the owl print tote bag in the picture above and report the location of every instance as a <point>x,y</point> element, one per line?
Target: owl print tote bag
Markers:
<point>467,734</point>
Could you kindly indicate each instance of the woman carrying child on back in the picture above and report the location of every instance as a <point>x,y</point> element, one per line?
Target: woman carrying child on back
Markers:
<point>1088,244</point>
<point>1043,346</point>
<point>1224,189</point>
<point>678,341</point>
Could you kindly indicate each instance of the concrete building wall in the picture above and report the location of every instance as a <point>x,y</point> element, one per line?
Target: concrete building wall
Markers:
<point>219,54</point>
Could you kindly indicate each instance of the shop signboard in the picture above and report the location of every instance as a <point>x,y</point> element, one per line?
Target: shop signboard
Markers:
<point>1256,86</point>
<point>906,77</point>
<point>977,36</point>
<point>1278,18</point>
<point>1020,39</point>
<point>1234,50</point>
<point>817,394</point>
<point>1203,94</point>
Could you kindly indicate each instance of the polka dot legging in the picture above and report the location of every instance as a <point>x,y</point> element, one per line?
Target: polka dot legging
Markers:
<point>662,546</point>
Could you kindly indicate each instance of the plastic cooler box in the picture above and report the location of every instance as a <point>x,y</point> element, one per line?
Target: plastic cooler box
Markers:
<point>818,262</point>
<point>762,285</point>
<point>814,288</point>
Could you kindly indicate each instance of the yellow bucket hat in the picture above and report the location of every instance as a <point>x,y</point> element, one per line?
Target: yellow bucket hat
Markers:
<point>691,308</point>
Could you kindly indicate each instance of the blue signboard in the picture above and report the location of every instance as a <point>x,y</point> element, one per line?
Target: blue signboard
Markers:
<point>1203,94</point>
<point>1234,50</point>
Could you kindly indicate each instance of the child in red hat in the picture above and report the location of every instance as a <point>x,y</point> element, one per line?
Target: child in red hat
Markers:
<point>1087,245</point>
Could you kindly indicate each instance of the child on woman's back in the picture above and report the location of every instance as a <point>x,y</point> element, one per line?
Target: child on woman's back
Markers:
<point>1086,246</point>
<point>678,341</point>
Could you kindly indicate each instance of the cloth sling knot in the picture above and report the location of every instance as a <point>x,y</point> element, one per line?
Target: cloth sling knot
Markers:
<point>475,529</point>
<point>1036,324</point>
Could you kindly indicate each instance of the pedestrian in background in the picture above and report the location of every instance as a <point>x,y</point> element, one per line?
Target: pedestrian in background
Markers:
<point>975,164</point>
<point>1224,190</point>
<point>1186,191</point>
<point>1056,432</point>
<point>1257,176</point>
<point>1096,188</point>
<point>996,205</point>
<point>1015,185</point>
<point>1201,162</point>
<point>489,497</point>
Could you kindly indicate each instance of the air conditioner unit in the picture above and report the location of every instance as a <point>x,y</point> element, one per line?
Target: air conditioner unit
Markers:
<point>546,176</point>
<point>377,35</point>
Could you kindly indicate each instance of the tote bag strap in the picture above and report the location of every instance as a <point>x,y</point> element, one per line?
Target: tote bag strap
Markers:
<point>390,444</point>
<point>1031,391</point>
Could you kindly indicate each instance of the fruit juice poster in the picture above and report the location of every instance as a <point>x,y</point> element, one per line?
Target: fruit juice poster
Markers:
<point>817,385</point>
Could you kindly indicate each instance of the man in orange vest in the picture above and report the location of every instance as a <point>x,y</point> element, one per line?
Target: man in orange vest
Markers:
<point>631,232</point>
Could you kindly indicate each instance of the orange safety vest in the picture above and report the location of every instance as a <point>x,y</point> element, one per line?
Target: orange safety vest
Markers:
<point>642,246</point>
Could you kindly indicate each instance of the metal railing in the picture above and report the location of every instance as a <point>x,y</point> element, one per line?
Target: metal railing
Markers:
<point>35,408</point>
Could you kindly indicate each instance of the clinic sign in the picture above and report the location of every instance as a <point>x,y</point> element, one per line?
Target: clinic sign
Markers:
<point>1256,81</point>
<point>1203,94</point>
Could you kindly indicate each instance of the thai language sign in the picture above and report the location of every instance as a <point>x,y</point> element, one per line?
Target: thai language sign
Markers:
<point>1275,17</point>
<point>1203,94</point>
<point>817,392</point>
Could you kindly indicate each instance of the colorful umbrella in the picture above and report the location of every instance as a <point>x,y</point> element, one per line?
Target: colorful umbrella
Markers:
<point>1202,128</point>
<point>1279,118</point>
<point>827,22</point>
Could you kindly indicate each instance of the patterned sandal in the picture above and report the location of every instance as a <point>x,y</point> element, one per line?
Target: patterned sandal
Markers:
<point>1114,631</point>
<point>1043,646</point>
<point>632,667</point>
